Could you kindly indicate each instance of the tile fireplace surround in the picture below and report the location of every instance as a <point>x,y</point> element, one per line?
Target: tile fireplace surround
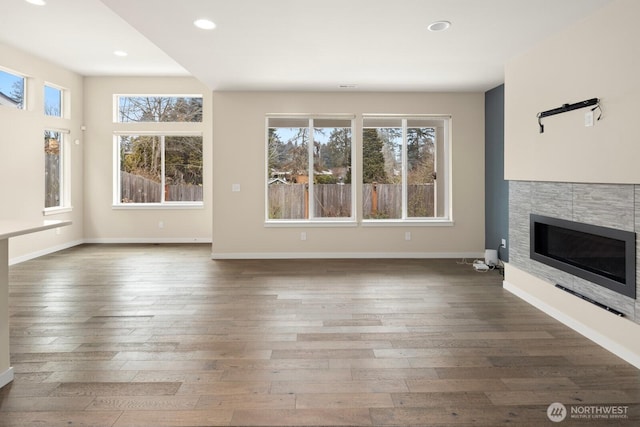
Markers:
<point>607,205</point>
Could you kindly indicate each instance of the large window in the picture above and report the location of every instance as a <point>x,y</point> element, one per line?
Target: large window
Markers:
<point>404,168</point>
<point>309,167</point>
<point>159,169</point>
<point>12,90</point>
<point>55,173</point>
<point>161,164</point>
<point>141,108</point>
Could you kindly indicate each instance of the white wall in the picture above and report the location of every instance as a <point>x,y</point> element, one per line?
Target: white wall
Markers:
<point>105,224</point>
<point>22,155</point>
<point>597,58</point>
<point>239,158</point>
<point>236,122</point>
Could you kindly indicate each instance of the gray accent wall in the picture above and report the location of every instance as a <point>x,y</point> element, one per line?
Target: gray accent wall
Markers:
<point>496,188</point>
<point>607,205</point>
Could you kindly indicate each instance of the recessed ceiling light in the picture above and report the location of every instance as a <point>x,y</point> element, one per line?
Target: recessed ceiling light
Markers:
<point>204,24</point>
<point>439,26</point>
<point>120,53</point>
<point>37,2</point>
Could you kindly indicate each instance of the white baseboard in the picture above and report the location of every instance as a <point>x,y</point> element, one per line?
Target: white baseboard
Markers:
<point>47,251</point>
<point>150,240</point>
<point>345,255</point>
<point>611,332</point>
<point>6,377</point>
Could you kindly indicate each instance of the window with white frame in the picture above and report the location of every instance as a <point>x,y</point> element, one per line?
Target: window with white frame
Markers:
<point>56,170</point>
<point>12,89</point>
<point>404,168</point>
<point>159,169</point>
<point>162,164</point>
<point>309,168</point>
<point>53,101</point>
<point>160,108</point>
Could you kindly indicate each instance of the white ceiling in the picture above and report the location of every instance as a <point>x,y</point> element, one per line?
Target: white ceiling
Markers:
<point>292,44</point>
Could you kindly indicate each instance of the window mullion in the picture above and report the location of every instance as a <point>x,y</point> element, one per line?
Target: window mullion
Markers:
<point>405,167</point>
<point>62,171</point>
<point>162,170</point>
<point>311,147</point>
<point>437,136</point>
<point>356,213</point>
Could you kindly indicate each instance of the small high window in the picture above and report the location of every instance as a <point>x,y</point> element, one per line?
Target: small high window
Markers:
<point>12,90</point>
<point>53,98</point>
<point>136,109</point>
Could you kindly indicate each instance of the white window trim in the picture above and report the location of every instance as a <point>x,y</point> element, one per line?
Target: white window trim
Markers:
<point>327,222</point>
<point>116,105</point>
<point>117,204</point>
<point>161,206</point>
<point>158,133</point>
<point>57,210</point>
<point>435,222</point>
<point>64,102</point>
<point>289,223</point>
<point>446,138</point>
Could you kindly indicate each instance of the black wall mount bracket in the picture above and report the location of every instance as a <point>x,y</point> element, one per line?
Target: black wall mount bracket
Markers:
<point>567,107</point>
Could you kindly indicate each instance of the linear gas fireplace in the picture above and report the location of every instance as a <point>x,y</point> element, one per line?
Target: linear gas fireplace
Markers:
<point>601,255</point>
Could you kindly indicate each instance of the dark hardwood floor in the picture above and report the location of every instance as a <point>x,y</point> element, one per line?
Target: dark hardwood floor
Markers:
<point>161,335</point>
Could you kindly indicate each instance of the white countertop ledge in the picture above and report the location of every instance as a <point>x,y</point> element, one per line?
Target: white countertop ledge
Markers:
<point>13,228</point>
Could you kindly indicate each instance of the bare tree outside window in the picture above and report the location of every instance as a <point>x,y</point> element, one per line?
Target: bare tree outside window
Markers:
<point>159,109</point>
<point>12,87</point>
<point>52,101</point>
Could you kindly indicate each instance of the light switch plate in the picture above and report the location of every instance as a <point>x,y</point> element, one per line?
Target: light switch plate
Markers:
<point>588,118</point>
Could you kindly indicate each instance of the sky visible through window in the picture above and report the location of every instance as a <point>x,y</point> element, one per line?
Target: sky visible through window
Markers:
<point>288,134</point>
<point>52,101</point>
<point>7,81</point>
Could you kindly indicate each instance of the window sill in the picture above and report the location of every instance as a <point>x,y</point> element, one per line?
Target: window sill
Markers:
<point>305,223</point>
<point>56,211</point>
<point>364,223</point>
<point>439,222</point>
<point>160,206</point>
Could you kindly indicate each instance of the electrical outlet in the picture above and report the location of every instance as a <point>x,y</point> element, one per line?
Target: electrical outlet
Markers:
<point>407,235</point>
<point>303,235</point>
<point>503,244</point>
<point>160,224</point>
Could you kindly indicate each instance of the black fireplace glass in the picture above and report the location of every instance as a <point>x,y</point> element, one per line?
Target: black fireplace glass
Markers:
<point>602,255</point>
